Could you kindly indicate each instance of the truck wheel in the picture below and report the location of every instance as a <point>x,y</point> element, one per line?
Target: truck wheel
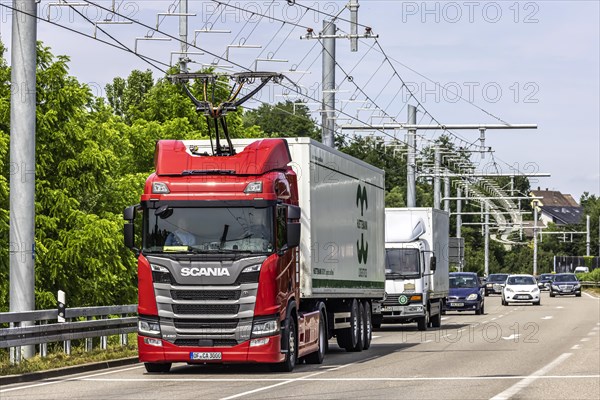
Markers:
<point>347,337</point>
<point>360,342</point>
<point>377,320</point>
<point>436,320</point>
<point>368,326</point>
<point>158,367</point>
<point>423,322</point>
<point>318,356</point>
<point>292,347</point>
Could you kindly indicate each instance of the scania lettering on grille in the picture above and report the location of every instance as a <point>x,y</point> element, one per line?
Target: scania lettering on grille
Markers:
<point>204,272</point>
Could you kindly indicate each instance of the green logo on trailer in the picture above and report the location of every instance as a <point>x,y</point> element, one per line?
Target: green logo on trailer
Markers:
<point>361,197</point>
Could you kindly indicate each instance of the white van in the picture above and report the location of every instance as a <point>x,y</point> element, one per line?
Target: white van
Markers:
<point>580,270</point>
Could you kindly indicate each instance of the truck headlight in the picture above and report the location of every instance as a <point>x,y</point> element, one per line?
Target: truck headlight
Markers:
<point>265,327</point>
<point>252,268</point>
<point>472,296</point>
<point>149,327</point>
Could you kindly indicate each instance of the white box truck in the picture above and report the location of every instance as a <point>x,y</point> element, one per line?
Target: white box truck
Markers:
<point>257,256</point>
<point>416,247</point>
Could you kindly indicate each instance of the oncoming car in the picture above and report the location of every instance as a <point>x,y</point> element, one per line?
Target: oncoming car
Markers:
<point>544,281</point>
<point>494,283</point>
<point>521,289</point>
<point>464,293</point>
<point>565,284</point>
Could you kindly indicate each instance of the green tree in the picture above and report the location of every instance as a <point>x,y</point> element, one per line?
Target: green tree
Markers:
<point>287,119</point>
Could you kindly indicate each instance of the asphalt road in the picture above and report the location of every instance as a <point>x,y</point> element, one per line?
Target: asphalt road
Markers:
<point>550,351</point>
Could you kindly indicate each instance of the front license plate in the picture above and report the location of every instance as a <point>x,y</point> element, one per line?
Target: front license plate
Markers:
<point>521,297</point>
<point>205,355</point>
<point>391,308</point>
<point>457,304</point>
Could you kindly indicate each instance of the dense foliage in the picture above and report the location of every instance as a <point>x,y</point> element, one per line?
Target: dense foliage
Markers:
<point>93,156</point>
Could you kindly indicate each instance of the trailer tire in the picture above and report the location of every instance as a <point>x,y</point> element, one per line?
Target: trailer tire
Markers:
<point>348,337</point>
<point>158,367</point>
<point>360,337</point>
<point>318,356</point>
<point>368,326</point>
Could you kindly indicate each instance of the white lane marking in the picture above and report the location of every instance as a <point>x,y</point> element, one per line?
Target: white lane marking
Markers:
<point>512,337</point>
<point>522,384</point>
<point>379,379</point>
<point>596,328</point>
<point>493,319</point>
<point>235,396</point>
<point>585,339</point>
<point>69,379</point>
<point>375,337</point>
<point>548,317</point>
<point>592,333</point>
<point>559,307</point>
<point>484,322</point>
<point>427,341</point>
<point>590,296</point>
<point>576,347</point>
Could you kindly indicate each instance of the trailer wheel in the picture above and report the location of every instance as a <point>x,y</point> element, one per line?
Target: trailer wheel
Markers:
<point>348,337</point>
<point>318,356</point>
<point>292,347</point>
<point>436,320</point>
<point>158,367</point>
<point>368,326</point>
<point>362,329</point>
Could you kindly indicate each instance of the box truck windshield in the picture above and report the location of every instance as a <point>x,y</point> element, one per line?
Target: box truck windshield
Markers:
<point>208,229</point>
<point>402,263</point>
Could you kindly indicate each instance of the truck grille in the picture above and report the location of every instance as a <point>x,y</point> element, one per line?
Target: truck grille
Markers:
<point>205,294</point>
<point>391,300</point>
<point>205,323</point>
<point>206,309</point>
<point>206,342</point>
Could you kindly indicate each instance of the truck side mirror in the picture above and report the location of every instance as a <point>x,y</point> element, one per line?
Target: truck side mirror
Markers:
<point>128,235</point>
<point>432,263</point>
<point>293,234</point>
<point>129,213</point>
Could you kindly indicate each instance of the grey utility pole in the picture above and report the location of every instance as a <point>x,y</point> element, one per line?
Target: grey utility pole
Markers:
<point>436,179</point>
<point>329,36</point>
<point>447,194</point>
<point>328,79</point>
<point>22,163</point>
<point>486,229</point>
<point>411,160</point>
<point>458,212</point>
<point>587,235</point>
<point>535,233</point>
<point>183,35</point>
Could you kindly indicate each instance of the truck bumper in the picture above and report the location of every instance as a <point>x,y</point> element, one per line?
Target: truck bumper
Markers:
<point>403,313</point>
<point>242,353</point>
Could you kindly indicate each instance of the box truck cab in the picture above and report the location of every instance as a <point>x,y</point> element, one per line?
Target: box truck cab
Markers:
<point>416,267</point>
<point>258,256</point>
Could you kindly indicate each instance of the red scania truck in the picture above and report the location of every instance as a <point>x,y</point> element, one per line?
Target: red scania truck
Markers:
<point>260,255</point>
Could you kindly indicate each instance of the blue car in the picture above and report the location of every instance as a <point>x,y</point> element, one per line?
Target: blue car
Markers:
<point>565,284</point>
<point>465,293</point>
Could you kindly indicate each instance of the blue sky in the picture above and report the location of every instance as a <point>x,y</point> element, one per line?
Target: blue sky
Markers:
<point>521,62</point>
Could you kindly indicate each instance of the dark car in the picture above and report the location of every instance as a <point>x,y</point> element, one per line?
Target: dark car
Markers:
<point>465,293</point>
<point>565,284</point>
<point>494,283</point>
<point>544,281</point>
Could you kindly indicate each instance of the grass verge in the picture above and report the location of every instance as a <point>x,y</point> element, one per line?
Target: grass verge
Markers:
<point>593,291</point>
<point>57,358</point>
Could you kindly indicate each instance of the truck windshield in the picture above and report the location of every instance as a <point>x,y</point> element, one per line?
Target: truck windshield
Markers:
<point>210,229</point>
<point>402,263</point>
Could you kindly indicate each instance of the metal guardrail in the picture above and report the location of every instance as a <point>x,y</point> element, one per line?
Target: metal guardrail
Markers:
<point>47,329</point>
<point>590,284</point>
